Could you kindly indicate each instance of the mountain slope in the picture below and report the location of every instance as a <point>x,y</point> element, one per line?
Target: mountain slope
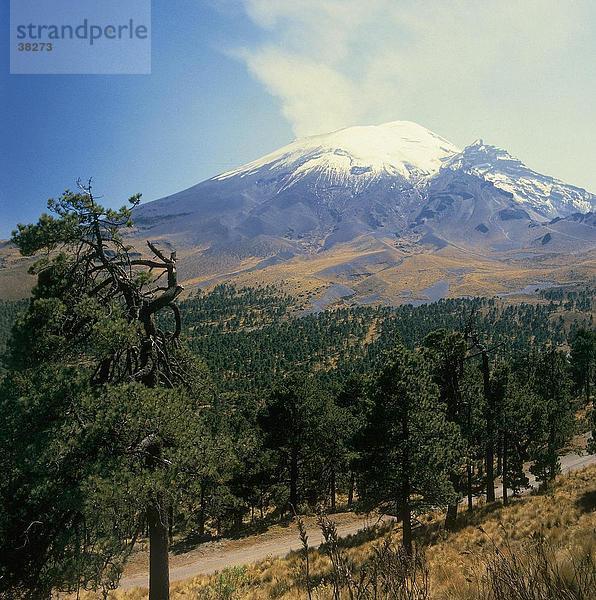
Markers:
<point>543,194</point>
<point>311,194</point>
<point>385,180</point>
<point>484,199</point>
<point>390,213</point>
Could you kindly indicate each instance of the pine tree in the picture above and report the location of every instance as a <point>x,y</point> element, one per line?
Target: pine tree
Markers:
<point>583,361</point>
<point>517,427</point>
<point>299,425</point>
<point>411,447</point>
<point>473,429</point>
<point>554,421</point>
<point>353,398</point>
<point>446,352</point>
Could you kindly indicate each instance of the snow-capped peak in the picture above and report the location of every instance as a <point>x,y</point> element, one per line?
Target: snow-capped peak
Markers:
<point>360,153</point>
<point>546,195</point>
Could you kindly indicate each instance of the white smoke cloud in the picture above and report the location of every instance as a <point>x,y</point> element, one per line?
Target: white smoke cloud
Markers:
<point>315,97</point>
<point>336,63</point>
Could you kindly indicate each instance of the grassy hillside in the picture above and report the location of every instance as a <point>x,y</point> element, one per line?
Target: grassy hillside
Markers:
<point>391,269</point>
<point>458,563</point>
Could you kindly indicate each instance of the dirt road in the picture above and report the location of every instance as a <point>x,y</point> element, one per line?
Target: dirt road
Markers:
<point>216,556</point>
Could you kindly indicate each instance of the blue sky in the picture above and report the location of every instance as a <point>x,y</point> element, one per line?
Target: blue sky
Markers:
<point>233,79</point>
<point>198,113</point>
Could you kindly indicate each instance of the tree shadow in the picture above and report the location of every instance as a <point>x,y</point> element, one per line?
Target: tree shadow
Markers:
<point>587,501</point>
<point>366,534</point>
<point>257,527</point>
<point>193,539</point>
<point>429,533</point>
<point>190,542</point>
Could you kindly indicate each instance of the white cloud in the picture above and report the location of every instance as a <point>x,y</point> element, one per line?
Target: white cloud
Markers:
<point>315,97</point>
<point>303,64</point>
<point>317,28</point>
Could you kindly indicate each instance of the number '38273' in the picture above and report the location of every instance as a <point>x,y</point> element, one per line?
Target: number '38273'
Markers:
<point>35,47</point>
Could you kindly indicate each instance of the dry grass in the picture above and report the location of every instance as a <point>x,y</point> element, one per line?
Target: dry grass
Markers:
<point>306,275</point>
<point>15,282</point>
<point>565,517</point>
<point>484,275</point>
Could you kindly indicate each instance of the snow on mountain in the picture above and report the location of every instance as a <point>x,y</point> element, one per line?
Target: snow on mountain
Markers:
<point>355,156</point>
<point>548,196</point>
<point>397,180</point>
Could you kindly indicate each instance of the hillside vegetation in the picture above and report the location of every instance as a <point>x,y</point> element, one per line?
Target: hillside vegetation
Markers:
<point>558,527</point>
<point>249,336</point>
